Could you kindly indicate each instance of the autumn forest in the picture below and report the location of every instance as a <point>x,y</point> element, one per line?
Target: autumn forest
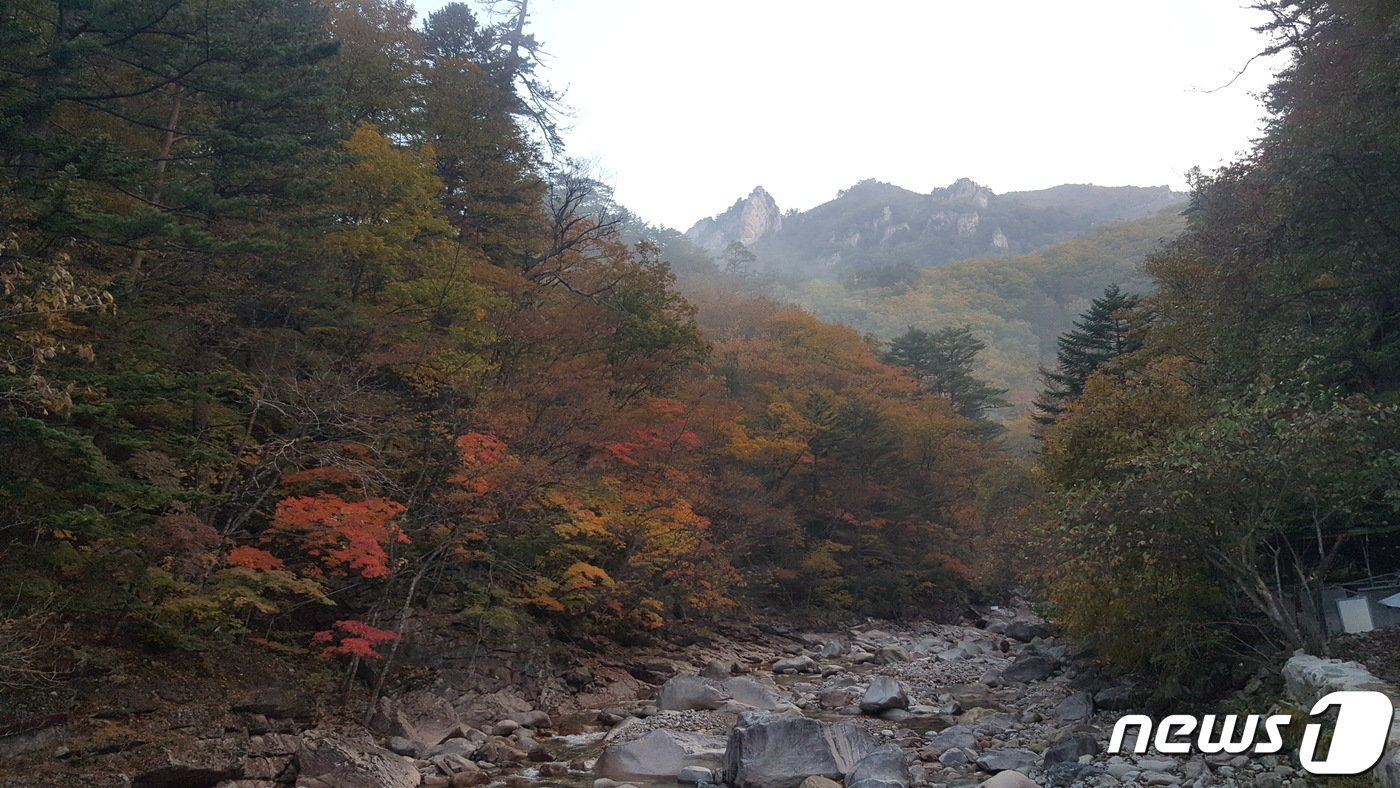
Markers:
<point>312,337</point>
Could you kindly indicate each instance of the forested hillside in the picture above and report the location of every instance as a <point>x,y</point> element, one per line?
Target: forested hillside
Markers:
<point>1203,489</point>
<point>305,337</point>
<point>315,345</point>
<point>1017,305</point>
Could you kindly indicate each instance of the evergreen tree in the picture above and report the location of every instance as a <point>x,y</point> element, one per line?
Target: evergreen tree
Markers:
<point>1104,332</point>
<point>942,361</point>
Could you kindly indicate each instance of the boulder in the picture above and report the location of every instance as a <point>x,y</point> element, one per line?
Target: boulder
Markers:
<point>1003,760</point>
<point>660,755</point>
<point>754,694</point>
<point>973,696</point>
<point>337,760</point>
<point>818,782</point>
<point>1070,747</point>
<point>1028,669</point>
<point>955,758</point>
<point>956,736</point>
<point>1025,631</point>
<point>889,655</point>
<point>800,664</point>
<point>420,717</point>
<point>1009,779</point>
<point>683,693</point>
<point>780,751</point>
<point>884,693</point>
<point>883,768</point>
<point>1076,708</point>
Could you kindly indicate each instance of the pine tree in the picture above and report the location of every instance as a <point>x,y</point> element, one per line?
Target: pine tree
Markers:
<point>942,361</point>
<point>1103,333</point>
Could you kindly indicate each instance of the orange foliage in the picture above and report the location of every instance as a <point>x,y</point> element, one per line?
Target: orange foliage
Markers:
<point>346,537</point>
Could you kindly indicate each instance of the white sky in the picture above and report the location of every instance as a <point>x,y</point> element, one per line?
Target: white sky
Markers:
<point>685,106</point>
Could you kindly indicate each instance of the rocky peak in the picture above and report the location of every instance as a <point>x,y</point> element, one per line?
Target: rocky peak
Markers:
<point>964,190</point>
<point>747,220</point>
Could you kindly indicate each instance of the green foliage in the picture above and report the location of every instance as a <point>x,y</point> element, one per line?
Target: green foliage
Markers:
<point>1209,484</point>
<point>942,361</point>
<point>1104,333</point>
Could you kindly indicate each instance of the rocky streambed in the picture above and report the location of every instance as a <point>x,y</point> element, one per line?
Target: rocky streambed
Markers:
<point>992,702</point>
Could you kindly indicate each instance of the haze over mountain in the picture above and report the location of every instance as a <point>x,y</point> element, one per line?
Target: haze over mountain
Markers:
<point>875,225</point>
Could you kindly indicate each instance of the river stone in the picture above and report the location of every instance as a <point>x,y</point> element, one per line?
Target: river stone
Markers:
<point>952,737</point>
<point>685,693</point>
<point>756,694</point>
<point>883,768</point>
<point>955,758</point>
<point>1002,760</point>
<point>1009,779</point>
<point>1076,708</point>
<point>1069,748</point>
<point>973,696</point>
<point>1025,631</point>
<point>660,755</point>
<point>800,664</point>
<point>779,750</point>
<point>884,693</point>
<point>351,761</point>
<point>1028,669</point>
<point>889,655</point>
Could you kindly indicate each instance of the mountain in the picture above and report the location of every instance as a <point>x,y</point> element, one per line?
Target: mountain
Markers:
<point>746,221</point>
<point>885,231</point>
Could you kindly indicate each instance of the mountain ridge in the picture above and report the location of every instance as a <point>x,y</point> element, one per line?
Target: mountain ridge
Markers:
<point>874,224</point>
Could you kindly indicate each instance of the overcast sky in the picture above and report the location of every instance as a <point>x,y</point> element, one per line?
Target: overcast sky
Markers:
<point>684,107</point>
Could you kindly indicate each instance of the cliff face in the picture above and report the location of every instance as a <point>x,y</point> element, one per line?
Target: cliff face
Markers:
<point>746,221</point>
<point>874,224</point>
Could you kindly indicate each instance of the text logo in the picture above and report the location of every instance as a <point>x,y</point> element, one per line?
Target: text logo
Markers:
<point>1358,738</point>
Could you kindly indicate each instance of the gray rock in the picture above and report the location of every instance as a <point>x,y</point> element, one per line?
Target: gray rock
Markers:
<point>883,768</point>
<point>779,751</point>
<point>1076,708</point>
<point>695,774</point>
<point>686,693</point>
<point>953,737</point>
<point>660,756</point>
<point>1120,698</point>
<point>818,782</point>
<point>1028,669</point>
<point>884,693</point>
<point>1009,779</point>
<point>955,758</point>
<point>1003,760</point>
<point>420,717</point>
<point>350,761</point>
<point>800,664</point>
<point>889,655</point>
<point>1025,631</point>
<point>401,746</point>
<point>754,694</point>
<point>1070,747</point>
